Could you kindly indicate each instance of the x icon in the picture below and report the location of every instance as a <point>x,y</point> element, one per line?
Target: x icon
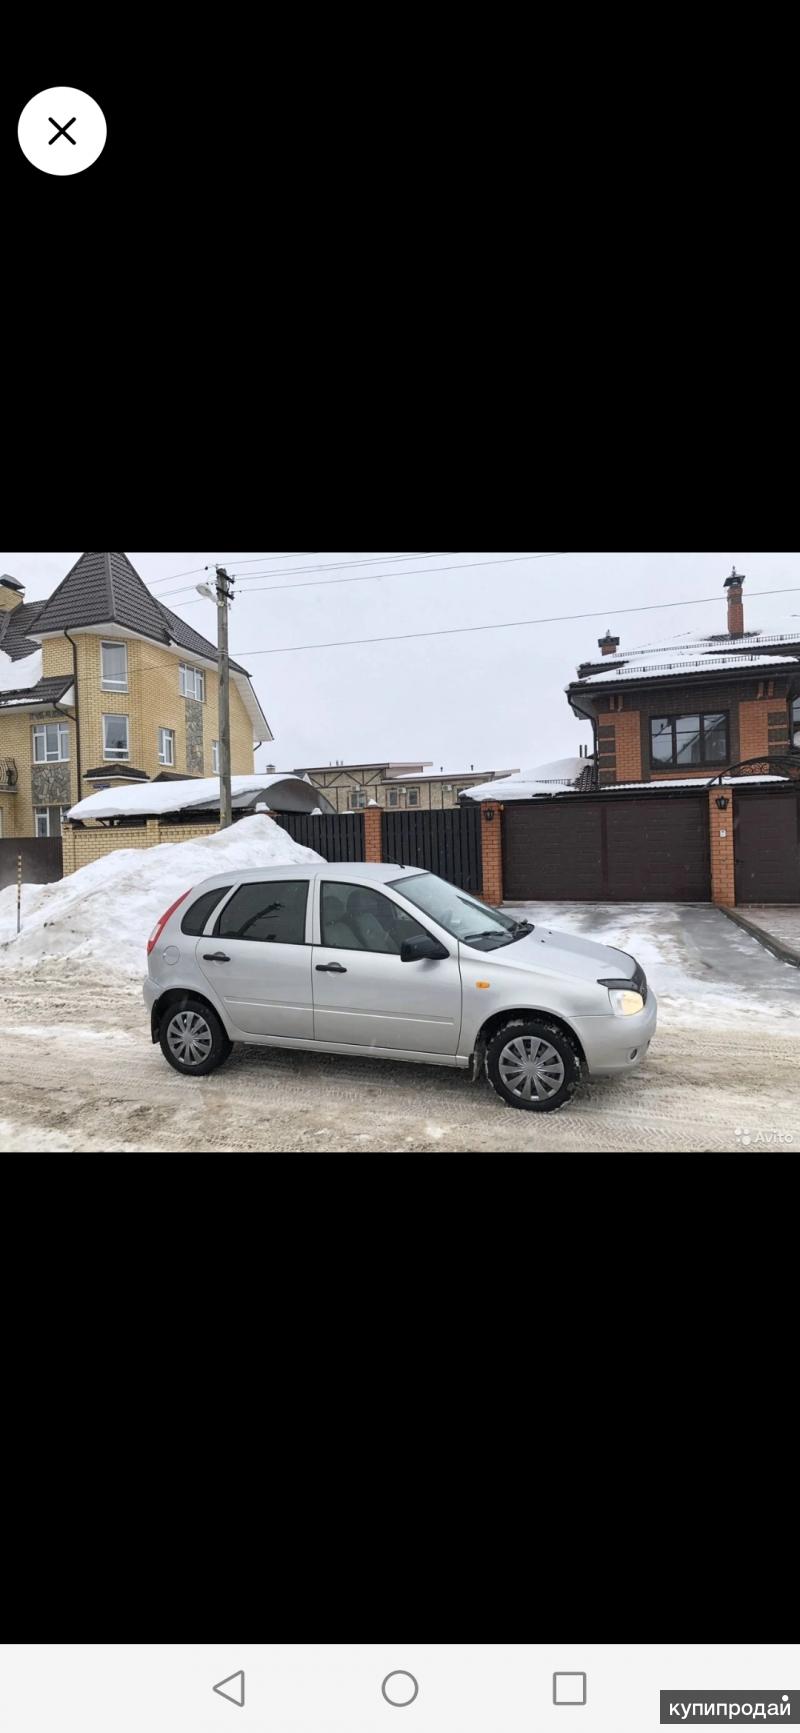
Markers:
<point>61,131</point>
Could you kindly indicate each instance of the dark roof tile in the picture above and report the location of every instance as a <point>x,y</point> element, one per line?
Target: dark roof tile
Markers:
<point>44,692</point>
<point>13,626</point>
<point>102,587</point>
<point>193,641</point>
<point>110,770</point>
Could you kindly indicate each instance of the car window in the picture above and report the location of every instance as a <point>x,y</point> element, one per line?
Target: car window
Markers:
<point>199,911</point>
<point>461,915</point>
<point>356,918</point>
<point>273,912</point>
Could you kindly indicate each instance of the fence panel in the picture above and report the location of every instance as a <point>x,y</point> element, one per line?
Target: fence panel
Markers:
<point>336,836</point>
<point>42,860</point>
<point>447,843</point>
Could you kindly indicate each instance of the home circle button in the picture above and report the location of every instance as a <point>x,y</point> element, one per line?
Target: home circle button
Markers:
<point>400,1689</point>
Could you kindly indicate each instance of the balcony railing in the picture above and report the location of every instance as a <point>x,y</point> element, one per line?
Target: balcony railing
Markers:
<point>8,773</point>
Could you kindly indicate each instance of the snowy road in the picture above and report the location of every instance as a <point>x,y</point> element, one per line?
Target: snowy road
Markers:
<point>82,1075</point>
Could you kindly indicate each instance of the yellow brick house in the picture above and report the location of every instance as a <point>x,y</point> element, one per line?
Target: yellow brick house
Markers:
<point>102,685</point>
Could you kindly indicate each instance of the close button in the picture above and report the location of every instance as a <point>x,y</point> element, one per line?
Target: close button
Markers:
<point>62,130</point>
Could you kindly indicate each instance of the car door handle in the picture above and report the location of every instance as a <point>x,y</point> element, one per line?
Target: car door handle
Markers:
<point>215,957</point>
<point>331,968</point>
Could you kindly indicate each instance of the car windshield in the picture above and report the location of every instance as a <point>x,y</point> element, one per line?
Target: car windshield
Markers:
<point>462,916</point>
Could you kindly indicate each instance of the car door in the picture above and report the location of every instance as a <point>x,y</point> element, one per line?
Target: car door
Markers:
<point>258,962</point>
<point>364,996</point>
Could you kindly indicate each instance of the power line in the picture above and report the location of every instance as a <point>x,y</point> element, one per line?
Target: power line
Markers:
<point>332,566</point>
<point>377,577</point>
<point>506,625</point>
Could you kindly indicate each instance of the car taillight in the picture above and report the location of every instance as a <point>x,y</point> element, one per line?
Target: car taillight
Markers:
<point>160,925</point>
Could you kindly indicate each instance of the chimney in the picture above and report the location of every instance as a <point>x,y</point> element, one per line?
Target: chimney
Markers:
<point>733,585</point>
<point>608,645</point>
<point>12,592</point>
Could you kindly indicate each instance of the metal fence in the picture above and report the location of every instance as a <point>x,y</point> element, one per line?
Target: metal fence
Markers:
<point>336,836</point>
<point>447,843</point>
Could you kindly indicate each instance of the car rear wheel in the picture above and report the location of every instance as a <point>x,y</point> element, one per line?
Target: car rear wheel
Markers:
<point>192,1038</point>
<point>533,1064</point>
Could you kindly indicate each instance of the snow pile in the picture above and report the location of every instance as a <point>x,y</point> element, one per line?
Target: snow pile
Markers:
<point>105,912</point>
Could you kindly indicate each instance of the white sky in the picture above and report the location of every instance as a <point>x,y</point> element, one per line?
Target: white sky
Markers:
<point>493,699</point>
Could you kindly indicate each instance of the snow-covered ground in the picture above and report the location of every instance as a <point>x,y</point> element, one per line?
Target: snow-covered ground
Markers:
<point>703,968</point>
<point>722,1073</point>
<point>104,913</point>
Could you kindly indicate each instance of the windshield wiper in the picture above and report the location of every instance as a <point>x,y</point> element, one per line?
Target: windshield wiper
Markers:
<point>523,926</point>
<point>487,933</point>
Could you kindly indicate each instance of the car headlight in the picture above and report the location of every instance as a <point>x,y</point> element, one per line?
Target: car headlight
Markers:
<point>625,1001</point>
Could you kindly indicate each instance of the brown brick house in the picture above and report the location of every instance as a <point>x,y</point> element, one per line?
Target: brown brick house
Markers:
<point>693,705</point>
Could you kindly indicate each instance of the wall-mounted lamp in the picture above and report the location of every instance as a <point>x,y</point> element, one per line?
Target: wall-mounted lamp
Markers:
<point>489,814</point>
<point>722,802</point>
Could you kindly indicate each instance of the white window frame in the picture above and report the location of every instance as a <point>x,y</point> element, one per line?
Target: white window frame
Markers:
<point>190,679</point>
<point>412,797</point>
<point>112,756</point>
<point>357,799</point>
<point>43,812</point>
<point>215,757</point>
<point>40,738</point>
<point>393,797</point>
<point>167,734</point>
<point>107,685</point>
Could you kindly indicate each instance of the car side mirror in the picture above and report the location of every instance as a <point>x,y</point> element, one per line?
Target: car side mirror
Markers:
<point>415,950</point>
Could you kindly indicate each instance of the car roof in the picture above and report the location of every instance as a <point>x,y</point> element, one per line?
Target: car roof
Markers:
<point>350,871</point>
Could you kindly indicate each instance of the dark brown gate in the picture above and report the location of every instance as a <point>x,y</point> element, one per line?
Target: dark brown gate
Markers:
<point>766,845</point>
<point>618,848</point>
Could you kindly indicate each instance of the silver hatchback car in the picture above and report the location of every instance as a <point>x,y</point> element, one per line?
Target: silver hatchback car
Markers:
<point>394,963</point>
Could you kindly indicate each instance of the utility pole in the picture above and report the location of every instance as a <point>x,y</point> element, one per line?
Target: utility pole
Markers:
<point>224,597</point>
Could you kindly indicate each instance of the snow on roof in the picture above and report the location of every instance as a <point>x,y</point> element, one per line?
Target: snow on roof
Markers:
<point>155,797</point>
<point>124,894</point>
<point>695,652</point>
<point>698,782</point>
<point>20,675</point>
<point>671,662</point>
<point>561,773</point>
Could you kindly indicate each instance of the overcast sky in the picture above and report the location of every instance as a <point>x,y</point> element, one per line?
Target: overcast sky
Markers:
<point>494,699</point>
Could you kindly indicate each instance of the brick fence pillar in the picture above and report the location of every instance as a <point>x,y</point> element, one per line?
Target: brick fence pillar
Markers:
<point>373,833</point>
<point>492,851</point>
<point>152,831</point>
<point>68,849</point>
<point>720,832</point>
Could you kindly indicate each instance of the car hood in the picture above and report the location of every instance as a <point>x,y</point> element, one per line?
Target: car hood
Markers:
<point>564,954</point>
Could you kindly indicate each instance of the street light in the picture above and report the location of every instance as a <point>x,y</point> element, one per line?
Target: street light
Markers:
<point>205,590</point>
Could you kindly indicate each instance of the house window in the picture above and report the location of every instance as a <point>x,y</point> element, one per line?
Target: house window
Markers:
<point>215,757</point>
<point>412,798</point>
<point>51,743</point>
<point>114,667</point>
<point>166,746</point>
<point>49,819</point>
<point>795,736</point>
<point>115,737</point>
<point>392,797</point>
<point>680,742</point>
<point>357,798</point>
<point>192,682</point>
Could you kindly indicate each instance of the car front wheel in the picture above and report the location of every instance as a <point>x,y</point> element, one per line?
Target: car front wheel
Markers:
<point>192,1038</point>
<point>533,1064</point>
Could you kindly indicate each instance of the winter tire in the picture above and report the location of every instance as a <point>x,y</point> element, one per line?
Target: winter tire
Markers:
<point>192,1038</point>
<point>532,1064</point>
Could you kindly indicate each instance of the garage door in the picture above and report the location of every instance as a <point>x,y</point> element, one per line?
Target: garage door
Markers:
<point>650,848</point>
<point>766,834</point>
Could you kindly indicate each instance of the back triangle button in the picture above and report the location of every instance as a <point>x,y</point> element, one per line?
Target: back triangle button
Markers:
<point>236,1692</point>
